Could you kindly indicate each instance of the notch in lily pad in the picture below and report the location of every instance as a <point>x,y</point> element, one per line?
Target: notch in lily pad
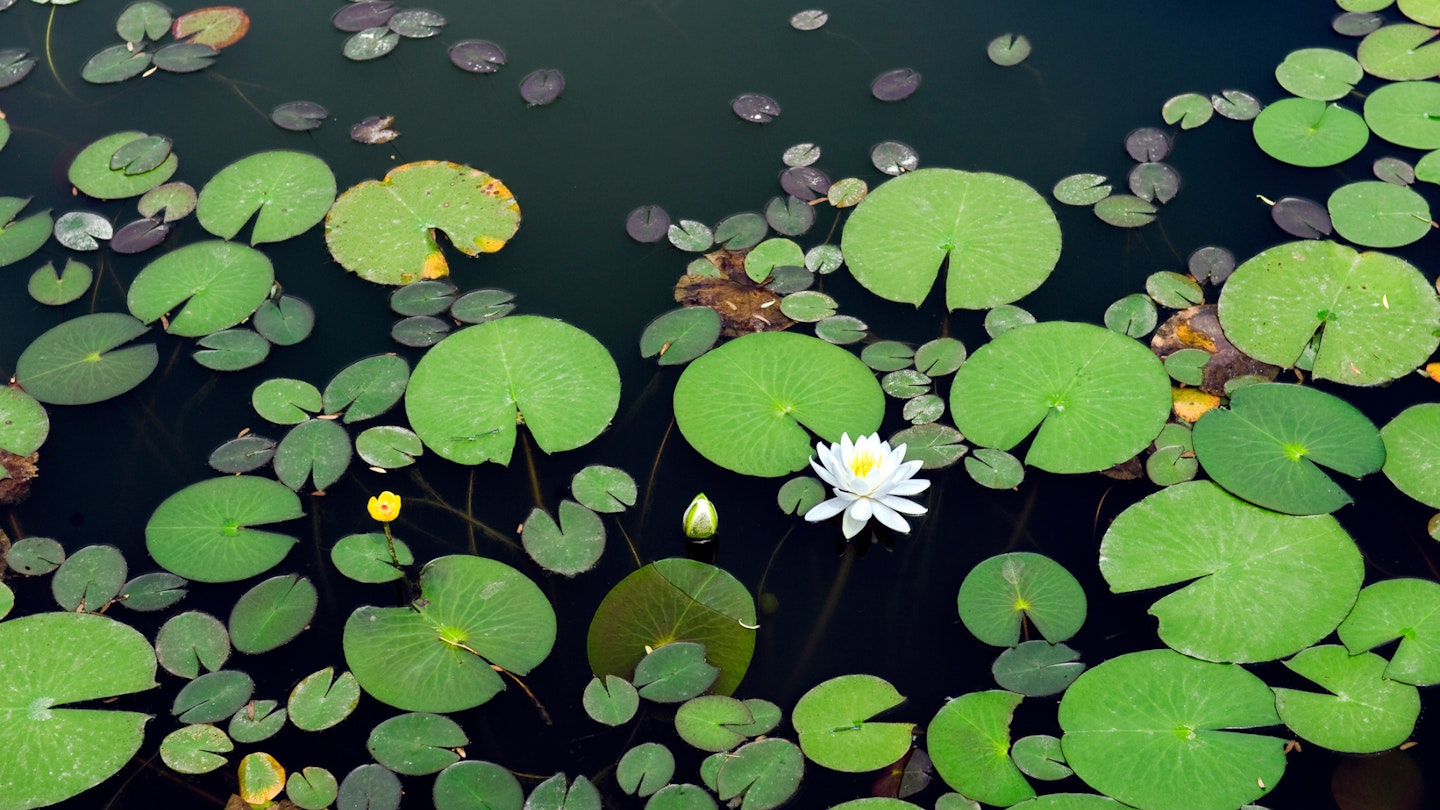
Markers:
<point>1001,594</point>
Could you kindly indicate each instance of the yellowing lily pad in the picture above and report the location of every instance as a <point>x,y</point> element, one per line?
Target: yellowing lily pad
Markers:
<point>384,230</point>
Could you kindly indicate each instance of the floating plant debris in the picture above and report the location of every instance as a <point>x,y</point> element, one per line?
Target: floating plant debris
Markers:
<point>648,223</point>
<point>375,129</point>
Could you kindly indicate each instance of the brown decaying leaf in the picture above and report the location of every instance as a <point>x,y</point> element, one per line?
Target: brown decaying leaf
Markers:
<point>375,129</point>
<point>1199,328</point>
<point>22,469</point>
<point>744,306</point>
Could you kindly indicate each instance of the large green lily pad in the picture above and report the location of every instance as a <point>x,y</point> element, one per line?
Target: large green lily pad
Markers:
<point>969,742</point>
<point>1153,729</point>
<point>1364,713</point>
<point>1266,446</point>
<point>203,531</point>
<point>748,404</point>
<point>1407,609</point>
<point>384,230</point>
<point>834,723</point>
<point>998,234</point>
<point>219,283</point>
<point>1310,132</point>
<point>1406,113</point>
<point>1241,562</point>
<point>1376,214</point>
<point>435,655</point>
<point>79,362</point>
<point>291,191</point>
<point>24,424</point>
<point>49,753</point>
<point>675,600</point>
<point>1376,313</point>
<point>470,393</point>
<point>1097,397</point>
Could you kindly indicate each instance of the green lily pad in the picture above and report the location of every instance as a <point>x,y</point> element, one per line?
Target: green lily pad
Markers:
<point>1008,50</point>
<point>604,489</point>
<point>469,394</point>
<point>746,405</point>
<point>935,446</point>
<point>1098,397</point>
<point>34,556</point>
<point>366,557</point>
<point>612,701</point>
<point>999,594</point>
<point>770,254</point>
<point>789,216</point>
<point>322,700</point>
<point>190,640</point>
<point>285,321</point>
<point>116,63</point>
<point>79,362</point>
<point>1125,211</point>
<point>371,43</point>
<point>1240,562</point>
<point>1266,445</point>
<point>184,57</point>
<point>89,579</point>
<point>479,306</point>
<point>1406,113</point>
<point>785,280</point>
<point>999,236</point>
<point>674,672</point>
<point>645,769</point>
<point>834,723</point>
<point>675,600</point>
<point>1376,214</point>
<point>1400,52</point>
<point>680,335</point>
<point>1375,313</point>
<point>242,454</point>
<point>742,231</point>
<point>372,787</point>
<point>313,788</point>
<point>285,401</point>
<point>256,721</point>
<point>156,590</point>
<point>219,283</point>
<point>1407,609</point>
<point>287,192</point>
<point>1173,290</point>
<point>82,230</point>
<point>367,388</point>
<point>1039,756</point>
<point>1005,317</point>
<point>711,722</point>
<point>1037,668</point>
<point>24,424</point>
<point>436,654</point>
<point>808,306</point>
<point>1189,110</point>
<point>824,259</point>
<point>213,697</point>
<point>940,356</point>
<point>1412,445</point>
<point>557,793</point>
<point>170,202</point>
<point>417,743</point>
<point>1133,316</point>
<point>923,410</point>
<point>203,531</point>
<point>20,238</point>
<point>995,469</point>
<point>272,613</point>
<point>691,235</point>
<point>49,753</point>
<point>800,494</point>
<point>1085,188</point>
<point>969,742</point>
<point>572,547</point>
<point>316,450</point>
<point>429,296</point>
<point>232,350</point>
<point>57,289</point>
<point>384,231</point>
<point>1169,744</point>
<point>92,174</point>
<point>1319,73</point>
<point>472,785</point>
<point>761,775</point>
<point>1364,713</point>
<point>143,20</point>
<point>195,749</point>
<point>841,330</point>
<point>388,447</point>
<point>1309,132</point>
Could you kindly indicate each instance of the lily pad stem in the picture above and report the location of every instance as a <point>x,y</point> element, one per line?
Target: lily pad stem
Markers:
<point>49,58</point>
<point>436,501</point>
<point>544,715</point>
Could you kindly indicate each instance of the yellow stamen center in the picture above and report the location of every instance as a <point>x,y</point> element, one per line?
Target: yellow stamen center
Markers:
<point>862,463</point>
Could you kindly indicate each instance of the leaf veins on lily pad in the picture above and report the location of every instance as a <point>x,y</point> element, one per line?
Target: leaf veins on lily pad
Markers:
<point>385,230</point>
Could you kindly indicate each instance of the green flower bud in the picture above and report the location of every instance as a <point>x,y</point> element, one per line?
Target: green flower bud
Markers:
<point>700,519</point>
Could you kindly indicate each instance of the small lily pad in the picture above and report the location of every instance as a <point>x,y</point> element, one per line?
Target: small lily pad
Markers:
<point>388,447</point>
<point>371,43</point>
<point>184,57</point>
<point>190,640</point>
<point>935,446</point>
<point>57,289</point>
<point>894,158</point>
<point>542,87</point>
<point>969,742</point>
<point>572,546</point>
<point>1037,668</point>
<point>604,489</point>
<point>110,65</point>
<point>895,85</point>
<point>232,350</point>
<point>299,116</point>
<point>755,107</point>
<point>680,335</point>
<point>214,285</point>
<point>834,721</point>
<point>366,557</point>
<point>416,23</point>
<point>1000,594</point>
<point>1189,110</point>
<point>243,454</point>
<point>217,26</point>
<point>1081,189</point>
<point>1008,50</point>
<point>613,702</point>
<point>480,306</point>
<point>477,56</point>
<point>284,321</point>
<point>648,223</point>
<point>272,613</point>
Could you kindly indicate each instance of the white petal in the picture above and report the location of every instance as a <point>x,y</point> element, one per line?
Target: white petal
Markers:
<point>885,470</point>
<point>888,516</point>
<point>908,469</point>
<point>902,505</point>
<point>825,474</point>
<point>827,509</point>
<point>860,510</point>
<point>850,526</point>
<point>914,486</point>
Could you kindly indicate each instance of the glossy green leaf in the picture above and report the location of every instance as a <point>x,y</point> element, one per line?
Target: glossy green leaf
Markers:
<point>604,489</point>
<point>285,321</point>
<point>999,238</point>
<point>468,395</point>
<point>367,388</point>
<point>479,306</point>
<point>203,532</point>
<point>692,236</point>
<point>789,216</point>
<point>272,613</point>
<point>366,557</point>
<point>80,361</point>
<point>388,447</point>
<point>555,794</point>
<point>1039,756</point>
<point>242,454</point>
<point>1412,448</point>
<point>311,788</point>
<point>711,722</point>
<point>34,556</point>
<point>1308,132</point>
<point>156,590</point>
<point>232,350</point>
<point>1125,211</point>
<point>800,494</point>
<point>612,701</point>
<point>742,231</point>
<point>769,254</point>
<point>1364,713</point>
<point>940,356</point>
<point>680,335</point>
<point>423,297</point>
<point>761,775</point>
<point>286,401</point>
<point>1000,594</point>
<point>168,202</point>
<point>370,787</point>
<point>674,672</point>
<point>969,742</point>
<point>472,785</point>
<point>573,546</point>
<point>143,20</point>
<point>190,640</point>
<point>417,743</point>
<point>1240,562</point>
<point>1400,52</point>
<point>1406,113</point>
<point>935,446</point>
<point>1084,189</point>
<point>372,43</point>
<point>1189,110</point>
<point>645,769</point>
<point>1319,73</point>
<point>91,171</point>
<point>1037,668</point>
<point>321,700</point>
<point>834,721</point>
<point>218,283</point>
<point>1133,316</point>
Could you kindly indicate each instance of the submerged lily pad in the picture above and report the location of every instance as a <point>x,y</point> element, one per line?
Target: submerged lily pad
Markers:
<point>1008,50</point>
<point>80,361</point>
<point>774,386</point>
<point>203,531</point>
<point>385,231</point>
<point>15,65</point>
<point>291,191</point>
<point>435,655</point>
<point>755,107</point>
<point>468,396</point>
<point>999,236</point>
<point>299,116</point>
<point>895,85</point>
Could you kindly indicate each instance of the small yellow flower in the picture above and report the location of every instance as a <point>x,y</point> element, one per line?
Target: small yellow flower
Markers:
<point>384,507</point>
<point>700,519</point>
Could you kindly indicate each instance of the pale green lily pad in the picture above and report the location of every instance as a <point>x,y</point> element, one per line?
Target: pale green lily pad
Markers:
<point>573,546</point>
<point>385,230</point>
<point>1406,113</point>
<point>769,254</point>
<point>1377,312</point>
<point>1400,52</point>
<point>1097,397</point>
<point>1308,132</point>
<point>91,173</point>
<point>156,590</point>
<point>57,289</point>
<point>923,410</point>
<point>995,469</point>
<point>1189,110</point>
<point>999,236</point>
<point>272,613</point>
<point>558,793</point>
<point>800,494</point>
<point>143,20</point>
<point>969,742</point>
<point>372,43</point>
<point>24,424</point>
<point>604,489</point>
<point>1319,73</point>
<point>612,701</point>
<point>366,557</point>
<point>841,330</point>
<point>1240,562</point>
<point>89,579</point>
<point>1376,214</point>
<point>645,769</point>
<point>285,401</point>
<point>1008,50</point>
<point>1000,594</point>
<point>1125,211</point>
<point>1266,445</point>
<point>203,531</point>
<point>474,785</point>
<point>291,191</point>
<point>468,395</point>
<point>20,238</point>
<point>1412,452</point>
<point>49,753</point>
<point>388,447</point>
<point>1170,743</point>
<point>436,654</point>
<point>1037,668</point>
<point>935,446</point>
<point>762,774</point>
<point>218,283</point>
<point>79,362</point>
<point>691,235</point>
<point>746,405</point>
<point>256,721</point>
<point>834,722</point>
<point>1133,316</point>
<point>34,556</point>
<point>195,749</point>
<point>940,356</point>
<point>808,306</point>
<point>322,700</point>
<point>1407,609</point>
<point>1364,713</point>
<point>1085,188</point>
<point>1039,756</point>
<point>316,450</point>
<point>417,743</point>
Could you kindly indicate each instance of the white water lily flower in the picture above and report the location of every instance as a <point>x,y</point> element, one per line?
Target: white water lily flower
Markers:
<point>870,480</point>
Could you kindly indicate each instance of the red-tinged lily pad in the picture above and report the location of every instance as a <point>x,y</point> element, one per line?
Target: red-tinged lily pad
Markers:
<point>755,107</point>
<point>139,236</point>
<point>648,223</point>
<point>375,129</point>
<point>477,56</point>
<point>384,230</point>
<point>217,26</point>
<point>895,85</point>
<point>299,116</point>
<point>542,87</point>
<point>359,16</point>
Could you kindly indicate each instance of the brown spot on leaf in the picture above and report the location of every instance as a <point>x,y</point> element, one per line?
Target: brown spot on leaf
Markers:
<point>1199,328</point>
<point>20,469</point>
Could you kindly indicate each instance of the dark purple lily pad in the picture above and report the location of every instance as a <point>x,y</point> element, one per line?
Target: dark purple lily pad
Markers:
<point>805,182</point>
<point>359,16</point>
<point>15,64</point>
<point>1154,182</point>
<point>648,223</point>
<point>184,57</point>
<point>895,85</point>
<point>1211,264</point>
<point>809,19</point>
<point>756,107</point>
<point>1302,218</point>
<point>1147,144</point>
<point>1356,23</point>
<point>542,86</point>
<point>417,23</point>
<point>375,129</point>
<point>139,236</point>
<point>298,116</point>
<point>477,55</point>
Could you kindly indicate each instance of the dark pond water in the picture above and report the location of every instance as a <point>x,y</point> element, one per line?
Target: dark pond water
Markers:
<point>646,119</point>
